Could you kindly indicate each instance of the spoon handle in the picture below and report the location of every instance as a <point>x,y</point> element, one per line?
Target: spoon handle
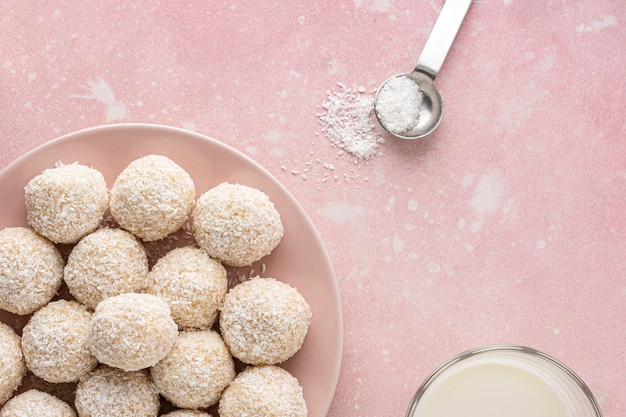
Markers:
<point>440,40</point>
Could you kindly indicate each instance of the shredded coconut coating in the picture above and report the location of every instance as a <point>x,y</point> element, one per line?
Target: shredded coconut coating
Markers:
<point>196,371</point>
<point>192,283</point>
<point>12,366</point>
<point>132,331</point>
<point>264,321</point>
<point>31,270</point>
<point>36,403</point>
<point>66,202</point>
<point>105,263</point>
<point>267,391</point>
<point>236,224</point>
<point>152,197</point>
<point>108,392</point>
<point>187,413</point>
<point>56,342</point>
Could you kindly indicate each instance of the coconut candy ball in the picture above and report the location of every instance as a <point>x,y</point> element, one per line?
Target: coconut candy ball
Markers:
<point>66,202</point>
<point>105,263</point>
<point>187,413</point>
<point>56,342</point>
<point>152,197</point>
<point>12,366</point>
<point>196,371</point>
<point>193,284</point>
<point>36,403</point>
<point>264,321</point>
<point>132,331</point>
<point>267,391</point>
<point>107,392</point>
<point>236,224</point>
<point>31,270</point>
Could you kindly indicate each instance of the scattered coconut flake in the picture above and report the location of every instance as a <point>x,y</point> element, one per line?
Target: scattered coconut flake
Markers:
<point>348,122</point>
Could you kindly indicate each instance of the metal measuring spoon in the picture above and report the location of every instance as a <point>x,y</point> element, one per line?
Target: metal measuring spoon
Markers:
<point>428,65</point>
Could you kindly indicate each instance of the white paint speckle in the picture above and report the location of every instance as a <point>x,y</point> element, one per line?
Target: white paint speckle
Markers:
<point>391,203</point>
<point>397,244</point>
<point>547,63</point>
<point>301,20</point>
<point>341,212</point>
<point>541,244</point>
<point>274,136</point>
<point>606,21</point>
<point>433,267</point>
<point>486,199</point>
<point>382,5</point>
<point>101,92</point>
<point>335,67</point>
<point>277,152</point>
<point>189,125</point>
<point>8,65</point>
<point>412,205</point>
<point>487,194</point>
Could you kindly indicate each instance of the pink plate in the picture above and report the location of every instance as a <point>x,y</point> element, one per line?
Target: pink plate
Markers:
<point>300,259</point>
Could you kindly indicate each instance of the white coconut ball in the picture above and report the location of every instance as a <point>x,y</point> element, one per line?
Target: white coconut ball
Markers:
<point>267,391</point>
<point>36,403</point>
<point>132,331</point>
<point>236,224</point>
<point>192,283</point>
<point>264,321</point>
<point>152,197</point>
<point>105,263</point>
<point>56,342</point>
<point>107,392</point>
<point>196,371</point>
<point>12,366</point>
<point>31,270</point>
<point>66,202</point>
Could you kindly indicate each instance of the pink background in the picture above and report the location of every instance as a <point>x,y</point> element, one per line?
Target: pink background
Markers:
<point>505,226</point>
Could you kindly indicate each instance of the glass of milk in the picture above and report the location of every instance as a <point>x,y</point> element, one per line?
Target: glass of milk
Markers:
<point>503,380</point>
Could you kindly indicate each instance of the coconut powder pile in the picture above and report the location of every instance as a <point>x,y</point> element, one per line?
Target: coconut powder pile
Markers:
<point>348,122</point>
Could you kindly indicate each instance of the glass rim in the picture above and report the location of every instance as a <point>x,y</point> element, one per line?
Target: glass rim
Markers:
<point>432,377</point>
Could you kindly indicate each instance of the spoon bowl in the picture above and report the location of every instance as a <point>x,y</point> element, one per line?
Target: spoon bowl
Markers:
<point>430,110</point>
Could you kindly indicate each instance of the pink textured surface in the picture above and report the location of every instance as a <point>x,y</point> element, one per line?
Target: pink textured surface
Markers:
<point>506,226</point>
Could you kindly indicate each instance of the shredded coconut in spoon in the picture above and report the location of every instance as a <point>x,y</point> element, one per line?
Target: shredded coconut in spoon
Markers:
<point>399,104</point>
